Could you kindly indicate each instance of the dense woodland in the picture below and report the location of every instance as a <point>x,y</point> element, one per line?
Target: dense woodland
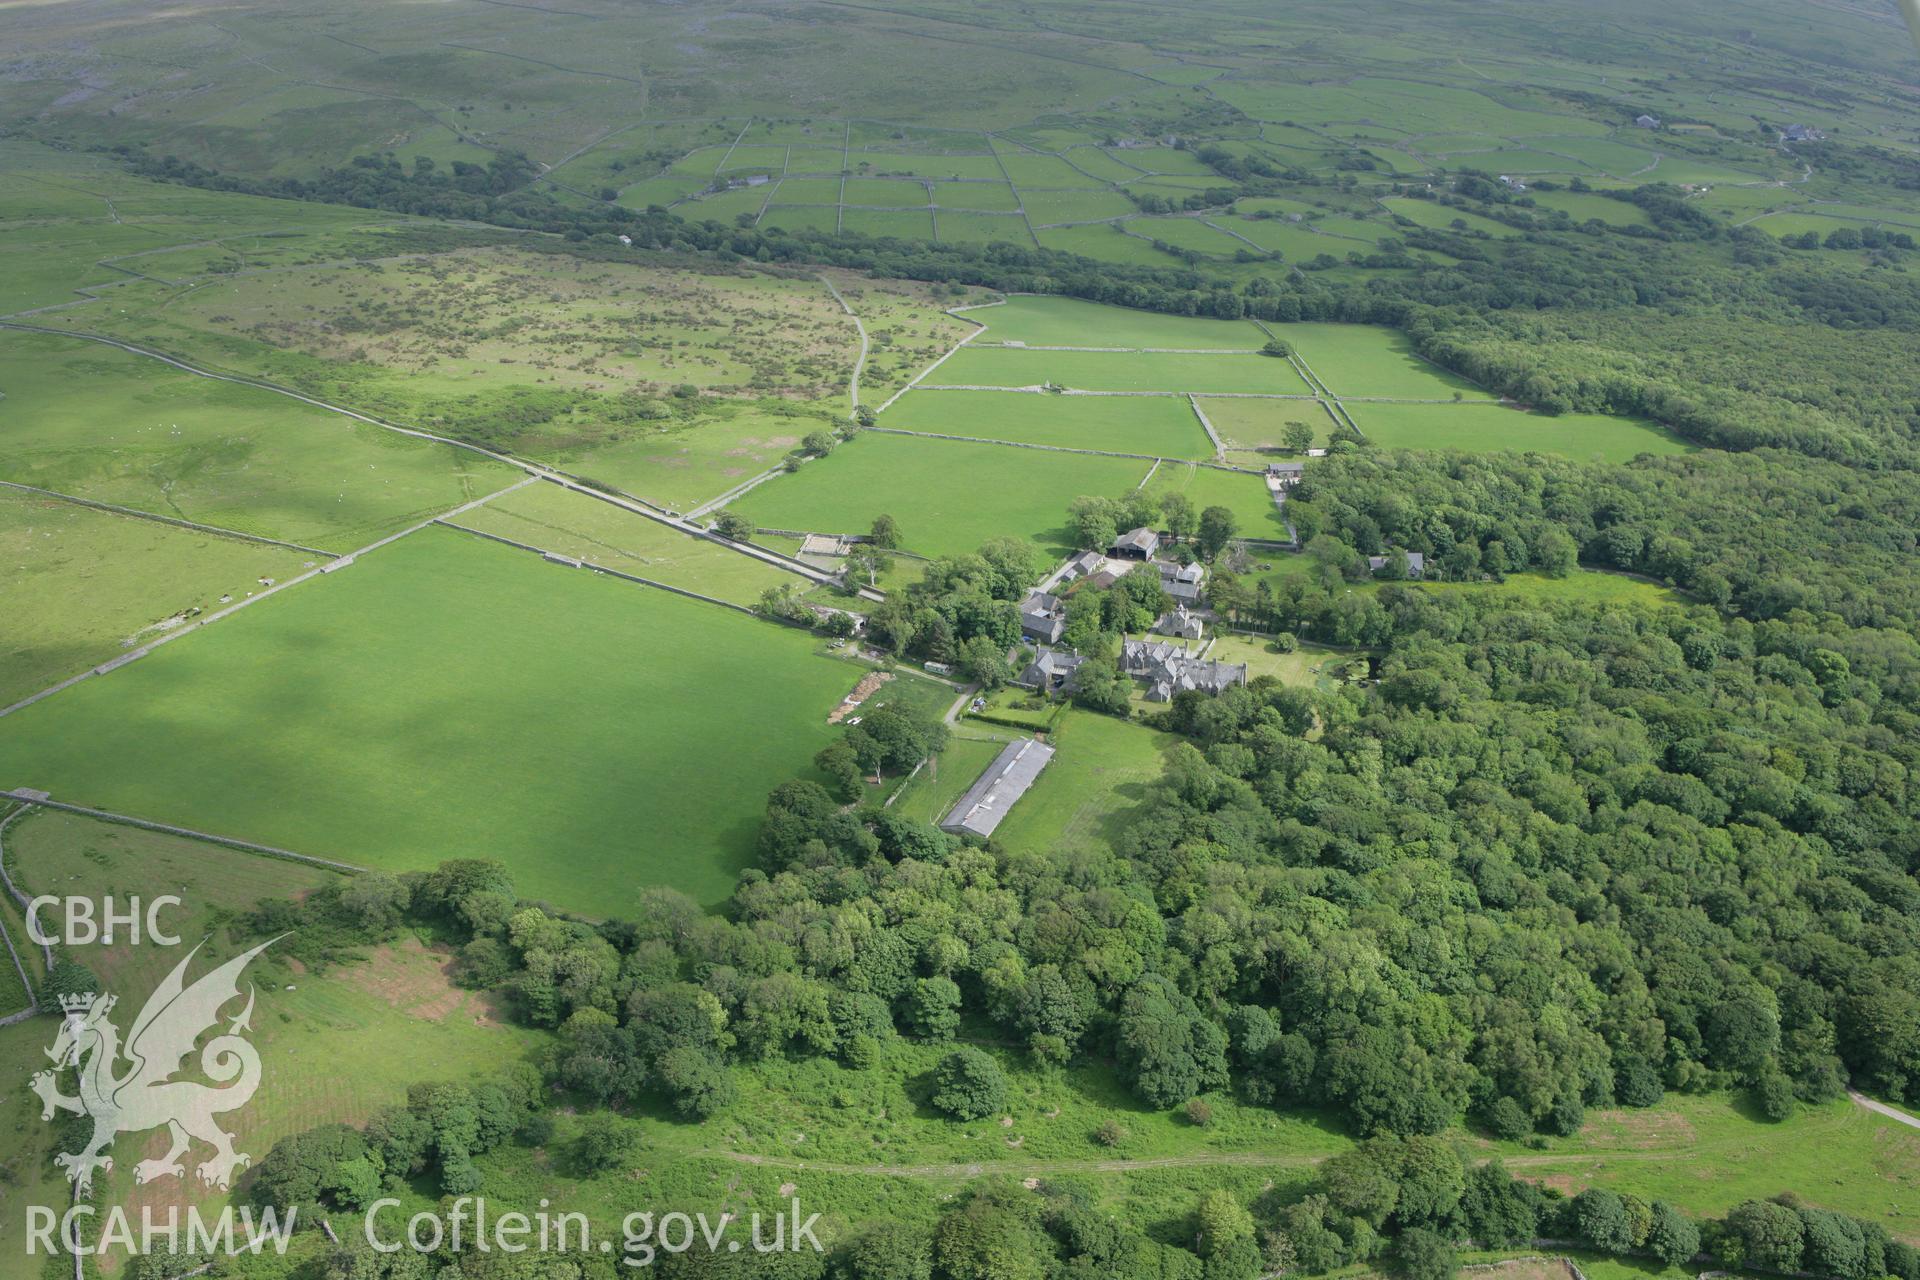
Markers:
<point>1554,858</point>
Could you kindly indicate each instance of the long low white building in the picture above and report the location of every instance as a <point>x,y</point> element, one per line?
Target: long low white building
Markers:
<point>995,791</point>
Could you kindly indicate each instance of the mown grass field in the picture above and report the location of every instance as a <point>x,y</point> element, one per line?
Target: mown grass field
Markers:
<point>1475,428</point>
<point>1101,768</point>
<point>81,584</point>
<point>574,524</point>
<point>96,422</point>
<point>1244,495</point>
<point>1158,426</point>
<point>593,734</point>
<point>933,792</point>
<point>1309,666</point>
<point>949,496</point>
<point>1362,360</point>
<point>1262,424</point>
<point>991,366</point>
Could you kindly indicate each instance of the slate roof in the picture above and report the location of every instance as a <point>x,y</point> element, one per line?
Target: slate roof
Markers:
<point>994,792</point>
<point>1042,617</point>
<point>1416,564</point>
<point>1052,670</point>
<point>1170,668</point>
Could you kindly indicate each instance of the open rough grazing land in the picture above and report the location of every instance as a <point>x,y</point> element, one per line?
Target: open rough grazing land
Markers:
<point>350,1017</point>
<point>87,420</point>
<point>584,469</point>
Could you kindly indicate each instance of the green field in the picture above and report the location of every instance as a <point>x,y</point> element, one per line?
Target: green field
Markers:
<point>1244,495</point>
<point>1189,235</point>
<point>1048,207</point>
<point>682,465</point>
<point>1582,586</point>
<point>1158,426</point>
<point>89,420</point>
<point>1363,360</point>
<point>1294,241</point>
<point>936,788</point>
<point>1103,240</point>
<point>1309,666</point>
<point>948,496</point>
<point>1100,769</point>
<point>961,227</point>
<point>1068,322</point>
<point>1473,427</point>
<point>1430,213</point>
<point>574,524</point>
<point>300,722</point>
<point>83,584</point>
<point>991,366</point>
<point>1582,205</point>
<point>1262,424</point>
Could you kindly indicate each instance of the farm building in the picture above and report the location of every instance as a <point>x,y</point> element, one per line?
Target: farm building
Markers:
<point>995,791</point>
<point>1042,617</point>
<point>1416,563</point>
<point>1182,624</point>
<point>1084,565</point>
<point>1169,669</point>
<point>1647,122</point>
<point>1288,474</point>
<point>1183,582</point>
<point>1136,544</point>
<point>1052,671</point>
<point>1802,133</point>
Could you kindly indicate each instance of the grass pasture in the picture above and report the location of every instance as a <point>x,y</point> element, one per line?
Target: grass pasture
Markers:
<point>1262,424</point>
<point>991,366</point>
<point>1158,426</point>
<point>684,464</point>
<point>1050,321</point>
<point>86,419</point>
<point>573,524</point>
<point>81,584</point>
<point>1244,495</point>
<point>1188,235</point>
<point>1473,427</point>
<point>1069,206</point>
<point>1103,240</point>
<point>301,722</point>
<point>1101,768</point>
<point>1430,213</point>
<point>963,227</point>
<point>1362,360</point>
<point>949,496</point>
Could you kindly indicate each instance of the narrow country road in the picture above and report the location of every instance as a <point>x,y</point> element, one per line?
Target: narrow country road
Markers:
<point>1891,1113</point>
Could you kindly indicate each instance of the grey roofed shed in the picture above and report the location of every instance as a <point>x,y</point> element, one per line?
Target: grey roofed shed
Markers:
<point>995,791</point>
